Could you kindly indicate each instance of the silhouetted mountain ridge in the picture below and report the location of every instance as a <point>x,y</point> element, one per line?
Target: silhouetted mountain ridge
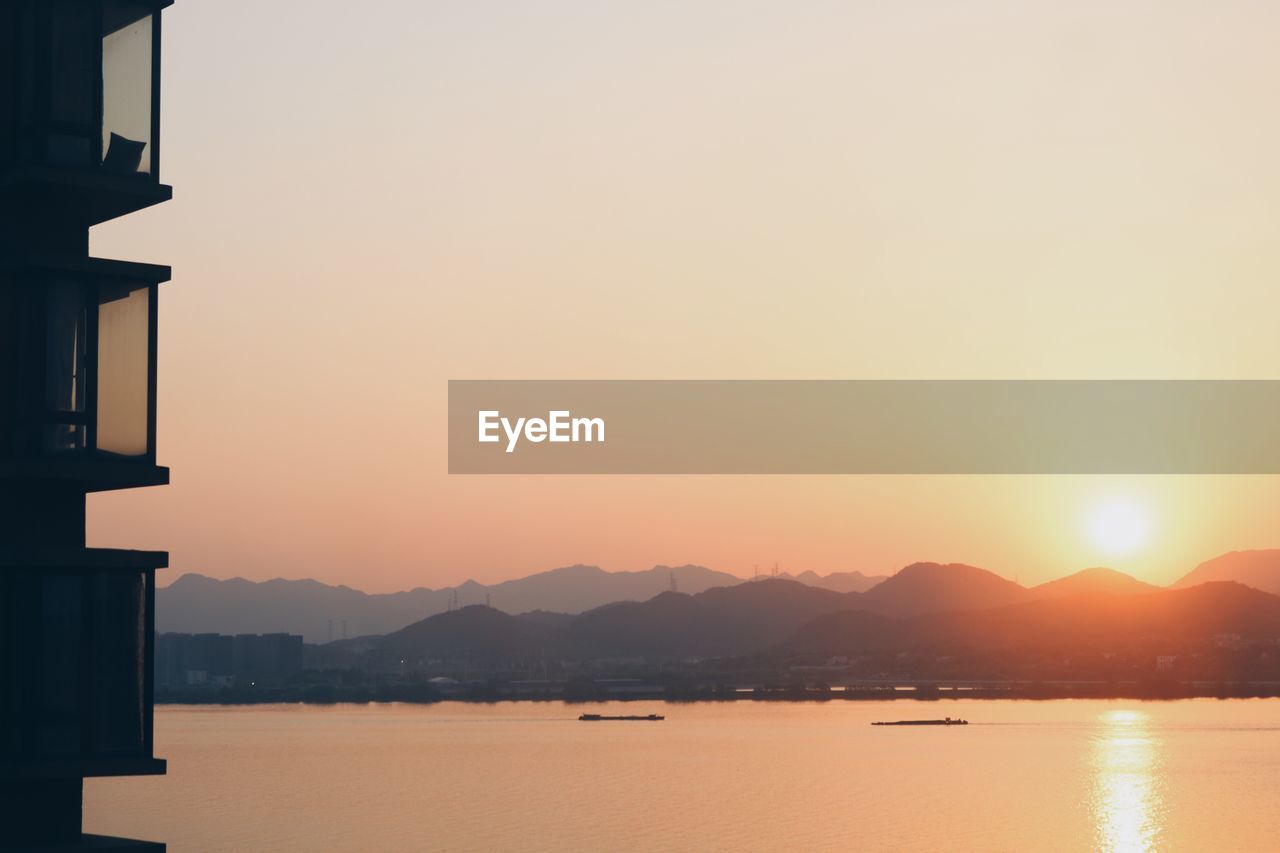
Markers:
<point>1258,568</point>
<point>931,587</point>
<point>716,623</point>
<point>195,603</point>
<point>1097,579</point>
<point>472,631</point>
<point>1091,620</point>
<point>836,581</point>
<point>756,615</point>
<point>926,606</point>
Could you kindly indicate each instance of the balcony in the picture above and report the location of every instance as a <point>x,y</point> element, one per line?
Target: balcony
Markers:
<point>85,132</point>
<point>80,643</point>
<point>84,379</point>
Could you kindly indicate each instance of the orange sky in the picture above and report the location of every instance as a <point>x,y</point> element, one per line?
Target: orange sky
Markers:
<point>373,198</point>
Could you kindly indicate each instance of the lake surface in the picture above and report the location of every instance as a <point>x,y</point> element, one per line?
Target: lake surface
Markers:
<point>1052,775</point>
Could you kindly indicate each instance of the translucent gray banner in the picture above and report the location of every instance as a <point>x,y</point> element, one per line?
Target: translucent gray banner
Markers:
<point>864,427</point>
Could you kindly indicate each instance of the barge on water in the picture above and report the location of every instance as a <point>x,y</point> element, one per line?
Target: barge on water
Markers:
<point>946,721</point>
<point>592,718</point>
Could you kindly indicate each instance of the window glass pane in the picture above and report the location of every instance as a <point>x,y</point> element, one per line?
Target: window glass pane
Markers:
<point>126,88</point>
<point>60,665</point>
<point>64,438</point>
<point>20,660</point>
<point>71,63</point>
<point>65,149</point>
<point>66,354</point>
<point>123,350</point>
<point>118,611</point>
<point>65,347</point>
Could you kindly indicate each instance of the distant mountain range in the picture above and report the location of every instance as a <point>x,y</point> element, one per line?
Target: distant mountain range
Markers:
<point>1056,626</point>
<point>836,581</point>
<point>1093,580</point>
<point>931,587</point>
<point>195,603</point>
<point>671,625</point>
<point>948,609</point>
<point>1258,569</point>
<point>636,613</point>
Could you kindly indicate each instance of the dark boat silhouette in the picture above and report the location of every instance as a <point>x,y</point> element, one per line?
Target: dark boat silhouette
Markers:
<point>592,718</point>
<point>946,721</point>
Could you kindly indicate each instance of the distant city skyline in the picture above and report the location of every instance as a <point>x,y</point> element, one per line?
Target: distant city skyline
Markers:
<point>718,190</point>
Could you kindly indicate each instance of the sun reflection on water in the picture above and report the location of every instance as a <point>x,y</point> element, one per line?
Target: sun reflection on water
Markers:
<point>1126,802</point>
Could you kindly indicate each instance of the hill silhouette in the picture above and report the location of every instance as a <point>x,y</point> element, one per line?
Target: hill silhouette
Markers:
<point>1259,569</point>
<point>1091,620</point>
<point>932,587</point>
<point>472,631</point>
<point>742,619</point>
<point>836,581</point>
<point>737,620</point>
<point>924,610</point>
<point>735,617</point>
<point>195,603</point>
<point>1092,580</point>
<point>718,622</point>
<point>671,625</point>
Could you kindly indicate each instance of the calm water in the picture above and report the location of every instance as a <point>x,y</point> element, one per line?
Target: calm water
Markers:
<point>1061,775</point>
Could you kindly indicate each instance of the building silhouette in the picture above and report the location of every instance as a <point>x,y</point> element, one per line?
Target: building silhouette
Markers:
<point>216,660</point>
<point>79,145</point>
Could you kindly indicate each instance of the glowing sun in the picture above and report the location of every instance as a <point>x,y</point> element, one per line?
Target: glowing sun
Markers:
<point>1118,527</point>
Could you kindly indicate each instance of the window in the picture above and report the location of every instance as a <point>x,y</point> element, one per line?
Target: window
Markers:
<point>124,357</point>
<point>126,88</point>
<point>88,84</point>
<point>60,698</point>
<point>97,372</point>
<point>66,366</point>
<point>117,605</point>
<point>72,107</point>
<point>76,646</point>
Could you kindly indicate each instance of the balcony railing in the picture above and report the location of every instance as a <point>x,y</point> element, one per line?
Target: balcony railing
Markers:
<point>84,128</point>
<point>82,645</point>
<point>93,395</point>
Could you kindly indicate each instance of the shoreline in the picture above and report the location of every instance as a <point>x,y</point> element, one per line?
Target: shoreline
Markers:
<point>482,695</point>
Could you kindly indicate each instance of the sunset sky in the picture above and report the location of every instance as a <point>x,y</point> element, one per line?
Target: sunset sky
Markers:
<point>371,199</point>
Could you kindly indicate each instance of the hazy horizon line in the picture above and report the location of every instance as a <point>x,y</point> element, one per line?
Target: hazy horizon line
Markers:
<point>783,574</point>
